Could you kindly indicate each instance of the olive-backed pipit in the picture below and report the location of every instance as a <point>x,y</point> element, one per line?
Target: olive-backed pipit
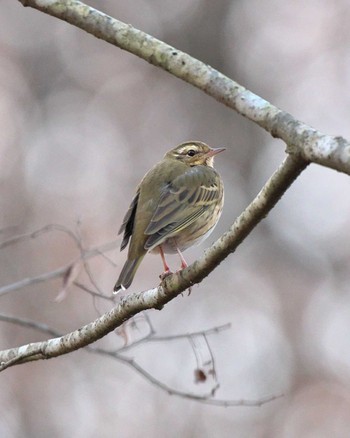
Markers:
<point>177,204</point>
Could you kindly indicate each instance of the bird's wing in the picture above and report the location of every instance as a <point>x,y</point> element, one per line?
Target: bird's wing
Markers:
<point>128,222</point>
<point>182,201</point>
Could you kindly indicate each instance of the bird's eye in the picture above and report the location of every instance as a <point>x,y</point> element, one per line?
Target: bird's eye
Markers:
<point>191,152</point>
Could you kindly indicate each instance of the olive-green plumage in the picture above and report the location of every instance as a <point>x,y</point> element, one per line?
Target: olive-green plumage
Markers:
<point>176,205</point>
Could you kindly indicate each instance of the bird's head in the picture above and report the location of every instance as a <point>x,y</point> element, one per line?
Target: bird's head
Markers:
<point>194,153</point>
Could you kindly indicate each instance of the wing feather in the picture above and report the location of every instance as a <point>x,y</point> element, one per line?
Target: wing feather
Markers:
<point>128,222</point>
<point>182,202</point>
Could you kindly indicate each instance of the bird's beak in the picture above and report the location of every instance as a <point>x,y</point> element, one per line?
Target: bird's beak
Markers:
<point>215,151</point>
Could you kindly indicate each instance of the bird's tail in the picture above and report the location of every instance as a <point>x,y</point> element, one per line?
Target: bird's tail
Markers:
<point>127,275</point>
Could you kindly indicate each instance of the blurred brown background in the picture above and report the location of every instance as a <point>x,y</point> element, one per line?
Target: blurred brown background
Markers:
<point>81,122</point>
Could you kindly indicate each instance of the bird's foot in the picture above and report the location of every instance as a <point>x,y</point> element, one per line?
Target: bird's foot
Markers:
<point>168,272</point>
<point>165,274</point>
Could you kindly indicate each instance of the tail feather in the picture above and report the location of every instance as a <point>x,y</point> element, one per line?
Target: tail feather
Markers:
<point>127,274</point>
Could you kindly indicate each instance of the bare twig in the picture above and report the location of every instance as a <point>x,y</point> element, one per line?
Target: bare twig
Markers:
<point>34,234</point>
<point>205,361</point>
<point>205,398</point>
<point>151,337</point>
<point>93,293</point>
<point>68,273</point>
<point>57,273</point>
<point>43,328</point>
<point>207,332</point>
<point>28,323</point>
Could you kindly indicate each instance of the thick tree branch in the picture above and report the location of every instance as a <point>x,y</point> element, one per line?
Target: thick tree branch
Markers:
<point>329,151</point>
<point>171,286</point>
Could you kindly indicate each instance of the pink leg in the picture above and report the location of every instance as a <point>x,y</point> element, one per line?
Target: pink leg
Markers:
<point>166,267</point>
<point>183,266</point>
<point>183,261</point>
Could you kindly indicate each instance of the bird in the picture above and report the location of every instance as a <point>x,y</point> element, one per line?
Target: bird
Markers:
<point>177,204</point>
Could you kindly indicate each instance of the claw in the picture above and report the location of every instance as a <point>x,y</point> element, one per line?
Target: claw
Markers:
<point>165,274</point>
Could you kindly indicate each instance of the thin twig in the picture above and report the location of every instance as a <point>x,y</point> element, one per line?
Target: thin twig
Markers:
<point>34,234</point>
<point>28,323</point>
<point>153,338</point>
<point>93,293</point>
<point>207,332</point>
<point>205,398</point>
<point>43,328</point>
<point>57,273</point>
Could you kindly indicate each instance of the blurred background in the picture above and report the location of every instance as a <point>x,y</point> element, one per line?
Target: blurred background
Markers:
<point>80,123</point>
